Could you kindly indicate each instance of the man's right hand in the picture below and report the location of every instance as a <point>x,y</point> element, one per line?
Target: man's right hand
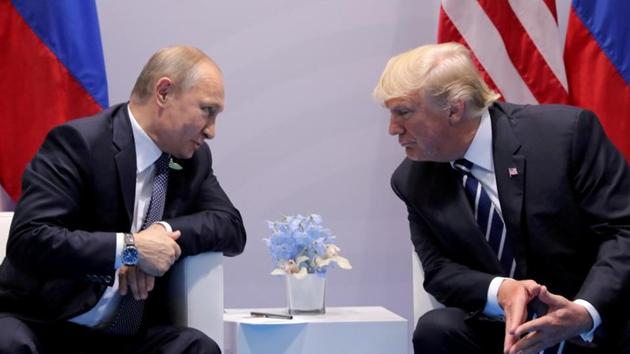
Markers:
<point>158,249</point>
<point>513,297</point>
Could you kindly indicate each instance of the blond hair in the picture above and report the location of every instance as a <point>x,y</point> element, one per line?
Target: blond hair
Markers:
<point>445,72</point>
<point>178,63</point>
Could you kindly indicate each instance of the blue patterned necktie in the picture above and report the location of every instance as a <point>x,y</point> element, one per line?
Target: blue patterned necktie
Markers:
<point>491,224</point>
<point>128,317</point>
<point>488,218</point>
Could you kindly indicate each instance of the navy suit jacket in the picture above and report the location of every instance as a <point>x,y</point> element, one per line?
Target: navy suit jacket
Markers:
<point>78,191</point>
<point>567,212</point>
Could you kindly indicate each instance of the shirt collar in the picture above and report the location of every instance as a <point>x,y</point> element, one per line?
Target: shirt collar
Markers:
<point>146,150</point>
<point>480,150</point>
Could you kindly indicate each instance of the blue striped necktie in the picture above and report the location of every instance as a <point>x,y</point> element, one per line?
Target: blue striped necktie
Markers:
<point>488,218</point>
<point>128,317</point>
<point>491,224</point>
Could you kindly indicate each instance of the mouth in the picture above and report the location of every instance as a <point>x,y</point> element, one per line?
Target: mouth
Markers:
<point>407,143</point>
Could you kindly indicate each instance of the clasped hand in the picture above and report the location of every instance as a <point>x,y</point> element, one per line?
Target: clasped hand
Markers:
<point>563,320</point>
<point>158,251</point>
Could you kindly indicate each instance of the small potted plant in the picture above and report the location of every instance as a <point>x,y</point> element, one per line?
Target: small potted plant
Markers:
<point>303,250</point>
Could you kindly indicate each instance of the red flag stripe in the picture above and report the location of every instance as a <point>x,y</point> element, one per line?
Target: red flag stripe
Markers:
<point>551,4</point>
<point>486,42</point>
<point>448,33</point>
<point>517,43</point>
<point>542,27</point>
<point>36,83</point>
<point>524,54</point>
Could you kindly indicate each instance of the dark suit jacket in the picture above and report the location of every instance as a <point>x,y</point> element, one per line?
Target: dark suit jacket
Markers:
<point>78,191</point>
<point>567,212</point>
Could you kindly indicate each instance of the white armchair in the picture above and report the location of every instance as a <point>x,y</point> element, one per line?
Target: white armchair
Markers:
<point>422,300</point>
<point>196,288</point>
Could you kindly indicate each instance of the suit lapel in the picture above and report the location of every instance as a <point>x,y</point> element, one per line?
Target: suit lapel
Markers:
<point>509,167</point>
<point>125,157</point>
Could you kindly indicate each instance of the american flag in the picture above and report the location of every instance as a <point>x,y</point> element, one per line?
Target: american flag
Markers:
<point>517,46</point>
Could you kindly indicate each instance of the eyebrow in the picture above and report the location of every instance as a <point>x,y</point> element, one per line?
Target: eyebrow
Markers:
<point>215,106</point>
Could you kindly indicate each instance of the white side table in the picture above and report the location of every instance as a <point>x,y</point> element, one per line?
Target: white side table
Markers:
<point>347,330</point>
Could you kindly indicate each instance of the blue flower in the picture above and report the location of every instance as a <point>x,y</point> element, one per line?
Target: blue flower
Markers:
<point>300,245</point>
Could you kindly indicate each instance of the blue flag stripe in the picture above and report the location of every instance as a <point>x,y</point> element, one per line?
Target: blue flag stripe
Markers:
<point>70,29</point>
<point>608,22</point>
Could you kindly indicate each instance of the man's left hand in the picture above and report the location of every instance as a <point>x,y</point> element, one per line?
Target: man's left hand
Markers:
<point>134,279</point>
<point>563,320</point>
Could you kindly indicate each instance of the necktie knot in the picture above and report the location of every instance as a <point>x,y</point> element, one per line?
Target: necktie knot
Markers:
<point>161,164</point>
<point>463,165</point>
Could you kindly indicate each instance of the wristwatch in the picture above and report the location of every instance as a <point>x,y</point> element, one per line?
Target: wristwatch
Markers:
<point>130,254</point>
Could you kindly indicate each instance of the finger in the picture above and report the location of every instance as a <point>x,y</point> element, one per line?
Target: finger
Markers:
<point>150,282</point>
<point>515,316</point>
<point>178,252</point>
<point>508,341</point>
<point>175,234</point>
<point>142,285</point>
<point>536,325</point>
<point>122,281</point>
<point>133,283</point>
<point>550,299</point>
<point>533,343</point>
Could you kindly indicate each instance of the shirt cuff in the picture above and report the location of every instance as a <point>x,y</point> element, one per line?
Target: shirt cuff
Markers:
<point>120,241</point>
<point>492,308</point>
<point>597,320</point>
<point>166,225</point>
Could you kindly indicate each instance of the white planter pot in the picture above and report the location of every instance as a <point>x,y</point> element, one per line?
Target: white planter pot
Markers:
<point>306,296</point>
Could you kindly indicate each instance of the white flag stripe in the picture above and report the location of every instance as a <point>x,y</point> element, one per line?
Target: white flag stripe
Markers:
<point>542,28</point>
<point>485,41</point>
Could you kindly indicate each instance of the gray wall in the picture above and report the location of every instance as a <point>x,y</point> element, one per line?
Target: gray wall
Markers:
<point>300,132</point>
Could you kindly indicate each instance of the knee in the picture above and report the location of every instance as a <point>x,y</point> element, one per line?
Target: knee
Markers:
<point>198,342</point>
<point>16,337</point>
<point>436,329</point>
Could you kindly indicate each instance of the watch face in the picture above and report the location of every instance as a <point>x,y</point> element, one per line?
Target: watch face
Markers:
<point>130,255</point>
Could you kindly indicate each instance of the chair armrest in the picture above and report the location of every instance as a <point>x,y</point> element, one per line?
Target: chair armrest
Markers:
<point>422,300</point>
<point>5,225</point>
<point>197,286</point>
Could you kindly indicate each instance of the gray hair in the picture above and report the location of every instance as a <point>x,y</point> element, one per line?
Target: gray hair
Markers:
<point>178,63</point>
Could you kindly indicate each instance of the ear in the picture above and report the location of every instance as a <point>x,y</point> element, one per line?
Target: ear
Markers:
<point>163,88</point>
<point>456,111</point>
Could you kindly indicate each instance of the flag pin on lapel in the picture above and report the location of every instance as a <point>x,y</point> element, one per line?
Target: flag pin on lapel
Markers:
<point>512,171</point>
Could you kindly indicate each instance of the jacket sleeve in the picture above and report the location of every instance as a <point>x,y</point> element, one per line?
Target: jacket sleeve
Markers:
<point>212,223</point>
<point>451,282</point>
<point>601,178</point>
<point>52,187</point>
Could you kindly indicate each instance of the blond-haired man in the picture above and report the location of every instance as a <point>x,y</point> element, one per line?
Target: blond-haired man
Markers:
<point>515,211</point>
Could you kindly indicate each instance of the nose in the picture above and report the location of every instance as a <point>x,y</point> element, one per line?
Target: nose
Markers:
<point>209,130</point>
<point>395,128</point>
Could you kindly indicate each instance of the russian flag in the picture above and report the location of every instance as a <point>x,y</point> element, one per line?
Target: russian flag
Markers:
<point>597,62</point>
<point>52,70</point>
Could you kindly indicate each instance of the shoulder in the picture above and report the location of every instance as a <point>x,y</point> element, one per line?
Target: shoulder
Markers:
<point>412,177</point>
<point>546,115</point>
<point>98,121</point>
